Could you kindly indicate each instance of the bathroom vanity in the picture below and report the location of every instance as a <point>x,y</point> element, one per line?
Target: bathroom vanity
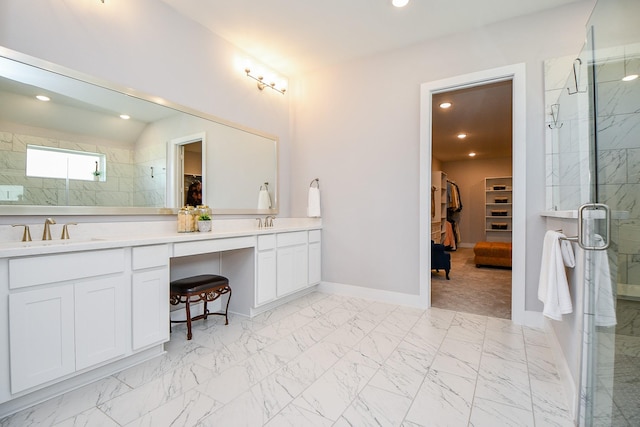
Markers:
<point>77,310</point>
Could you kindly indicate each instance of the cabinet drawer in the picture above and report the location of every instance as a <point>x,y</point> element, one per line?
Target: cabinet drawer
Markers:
<point>150,256</point>
<point>32,271</point>
<point>290,239</point>
<point>314,236</point>
<point>268,241</point>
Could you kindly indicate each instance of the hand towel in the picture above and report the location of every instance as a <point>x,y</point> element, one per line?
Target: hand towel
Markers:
<point>605,304</point>
<point>313,206</point>
<point>553,287</point>
<point>264,199</point>
<point>568,257</point>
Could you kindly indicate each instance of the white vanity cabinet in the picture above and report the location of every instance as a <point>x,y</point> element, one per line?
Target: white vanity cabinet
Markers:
<point>65,314</point>
<point>292,262</point>
<point>41,336</point>
<point>315,257</point>
<point>150,295</point>
<point>266,269</point>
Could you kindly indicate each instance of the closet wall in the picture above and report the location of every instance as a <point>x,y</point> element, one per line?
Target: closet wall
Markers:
<point>470,175</point>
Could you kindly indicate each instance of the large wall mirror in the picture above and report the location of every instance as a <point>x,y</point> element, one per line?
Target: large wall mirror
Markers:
<point>94,148</point>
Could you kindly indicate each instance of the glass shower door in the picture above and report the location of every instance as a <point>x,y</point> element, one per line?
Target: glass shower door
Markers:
<point>610,389</point>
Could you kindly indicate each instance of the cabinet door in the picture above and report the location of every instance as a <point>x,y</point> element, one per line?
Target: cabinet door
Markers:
<point>150,307</point>
<point>300,267</point>
<point>292,269</point>
<point>41,336</point>
<point>101,318</point>
<point>315,263</point>
<point>285,282</point>
<point>266,280</point>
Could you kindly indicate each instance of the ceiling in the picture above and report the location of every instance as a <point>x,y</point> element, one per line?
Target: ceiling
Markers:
<point>483,113</point>
<point>293,36</point>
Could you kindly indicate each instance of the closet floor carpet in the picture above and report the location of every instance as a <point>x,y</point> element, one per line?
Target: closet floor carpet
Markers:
<point>485,291</point>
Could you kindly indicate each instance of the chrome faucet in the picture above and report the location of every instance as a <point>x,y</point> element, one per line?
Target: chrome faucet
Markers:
<point>65,231</point>
<point>46,234</point>
<point>259,222</point>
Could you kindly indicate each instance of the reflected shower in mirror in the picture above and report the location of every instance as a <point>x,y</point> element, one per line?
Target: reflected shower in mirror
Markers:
<point>130,142</point>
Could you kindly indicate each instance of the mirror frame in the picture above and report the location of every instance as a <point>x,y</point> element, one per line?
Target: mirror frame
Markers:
<point>21,210</point>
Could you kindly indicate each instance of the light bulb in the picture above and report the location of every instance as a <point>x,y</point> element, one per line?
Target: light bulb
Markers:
<point>399,3</point>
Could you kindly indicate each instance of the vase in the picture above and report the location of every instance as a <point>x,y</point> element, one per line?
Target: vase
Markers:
<point>204,226</point>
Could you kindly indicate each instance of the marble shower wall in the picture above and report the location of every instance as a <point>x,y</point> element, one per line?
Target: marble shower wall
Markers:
<point>117,190</point>
<point>618,153</point>
<point>618,127</point>
<point>567,133</point>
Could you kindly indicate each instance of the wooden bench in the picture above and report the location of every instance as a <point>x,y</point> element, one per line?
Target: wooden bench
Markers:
<point>496,254</point>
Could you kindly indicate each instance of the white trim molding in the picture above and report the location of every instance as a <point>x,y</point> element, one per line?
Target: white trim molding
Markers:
<point>515,73</point>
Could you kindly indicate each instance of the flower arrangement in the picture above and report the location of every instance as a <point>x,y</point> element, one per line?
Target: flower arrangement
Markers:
<point>204,217</point>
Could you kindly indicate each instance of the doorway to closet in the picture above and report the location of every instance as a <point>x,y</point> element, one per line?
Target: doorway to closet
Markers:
<point>472,195</point>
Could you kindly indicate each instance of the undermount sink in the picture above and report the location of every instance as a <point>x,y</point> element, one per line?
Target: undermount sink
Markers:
<point>40,243</point>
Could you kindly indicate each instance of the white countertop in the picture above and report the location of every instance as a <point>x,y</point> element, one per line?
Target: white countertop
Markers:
<point>573,214</point>
<point>95,236</point>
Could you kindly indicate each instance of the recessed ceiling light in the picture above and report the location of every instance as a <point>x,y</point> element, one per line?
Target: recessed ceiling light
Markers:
<point>399,3</point>
<point>445,105</point>
<point>124,117</point>
<point>43,98</point>
<point>462,135</point>
<point>472,154</point>
<point>629,77</point>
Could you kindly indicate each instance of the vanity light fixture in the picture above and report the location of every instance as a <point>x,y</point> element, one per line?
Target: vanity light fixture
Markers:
<point>43,98</point>
<point>472,154</point>
<point>125,116</point>
<point>462,135</point>
<point>399,3</point>
<point>262,84</point>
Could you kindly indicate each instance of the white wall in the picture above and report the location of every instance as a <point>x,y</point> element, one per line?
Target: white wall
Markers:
<point>145,45</point>
<point>354,126</point>
<point>357,129</point>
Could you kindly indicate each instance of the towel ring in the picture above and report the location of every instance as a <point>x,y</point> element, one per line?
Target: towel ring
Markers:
<point>317,181</point>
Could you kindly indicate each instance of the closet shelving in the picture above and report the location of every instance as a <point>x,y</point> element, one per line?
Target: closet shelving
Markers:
<point>498,208</point>
<point>439,215</point>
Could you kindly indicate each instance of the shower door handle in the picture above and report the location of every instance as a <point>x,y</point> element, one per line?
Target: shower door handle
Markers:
<point>594,211</point>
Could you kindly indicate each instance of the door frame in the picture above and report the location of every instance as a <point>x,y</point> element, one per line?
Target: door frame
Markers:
<point>175,167</point>
<point>515,73</point>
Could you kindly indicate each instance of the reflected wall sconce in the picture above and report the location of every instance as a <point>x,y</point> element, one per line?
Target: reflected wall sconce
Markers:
<point>262,84</point>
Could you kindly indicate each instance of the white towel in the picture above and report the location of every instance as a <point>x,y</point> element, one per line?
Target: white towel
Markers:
<point>264,199</point>
<point>313,206</point>
<point>568,257</point>
<point>553,287</point>
<point>605,304</point>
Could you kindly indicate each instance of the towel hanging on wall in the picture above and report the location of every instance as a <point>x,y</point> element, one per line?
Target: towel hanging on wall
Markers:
<point>264,199</point>
<point>313,203</point>
<point>553,287</point>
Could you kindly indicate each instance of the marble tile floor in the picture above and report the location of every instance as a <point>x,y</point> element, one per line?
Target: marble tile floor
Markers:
<point>327,360</point>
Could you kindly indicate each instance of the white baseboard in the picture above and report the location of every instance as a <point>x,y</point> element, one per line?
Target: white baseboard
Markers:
<point>373,294</point>
<point>566,379</point>
<point>533,319</point>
